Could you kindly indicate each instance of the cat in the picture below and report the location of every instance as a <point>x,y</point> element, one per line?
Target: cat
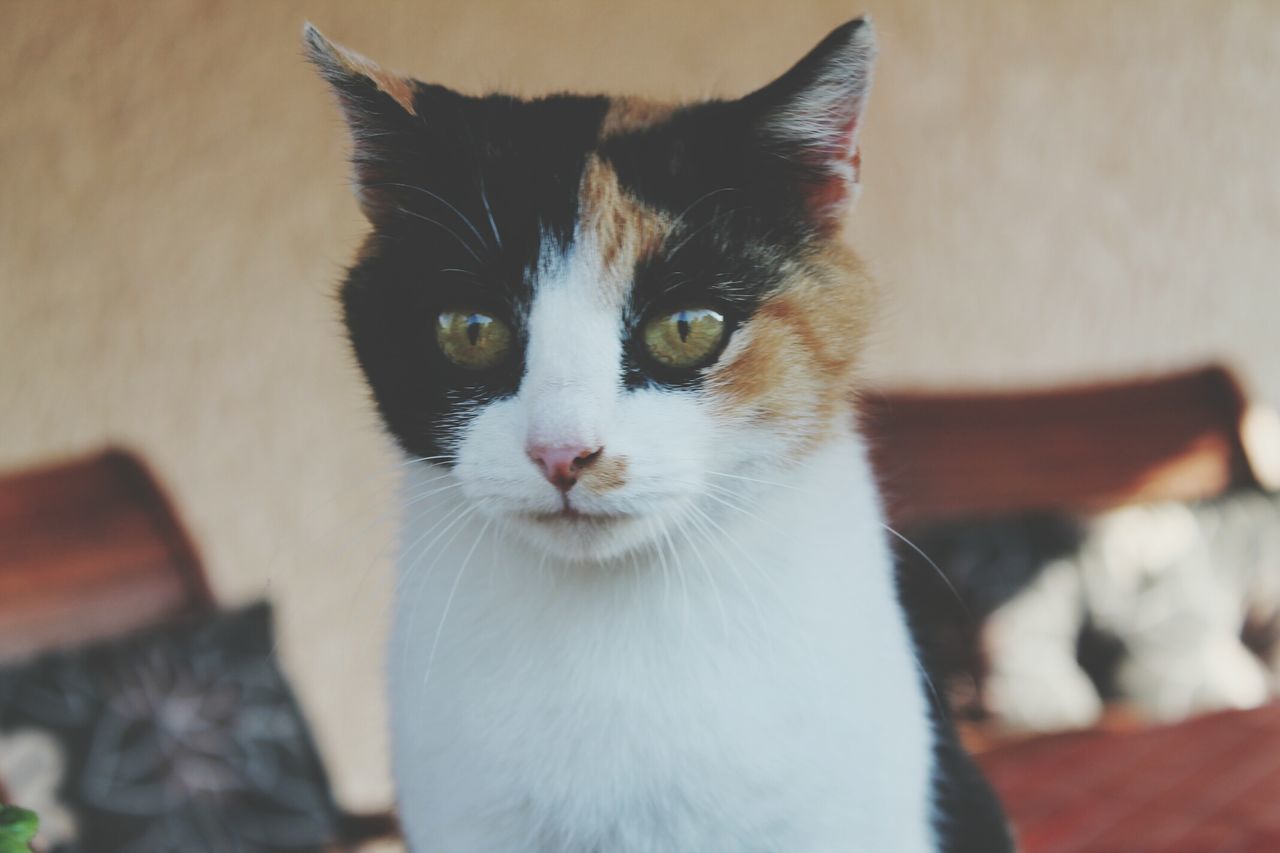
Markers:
<point>1151,604</point>
<point>645,597</point>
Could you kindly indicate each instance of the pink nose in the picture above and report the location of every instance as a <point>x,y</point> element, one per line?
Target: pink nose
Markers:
<point>562,465</point>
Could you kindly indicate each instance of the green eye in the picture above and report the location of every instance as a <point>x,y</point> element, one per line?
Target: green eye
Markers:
<point>473,340</point>
<point>684,339</point>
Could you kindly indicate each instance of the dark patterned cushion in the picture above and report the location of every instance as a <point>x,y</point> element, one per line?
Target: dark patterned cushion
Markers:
<point>183,739</point>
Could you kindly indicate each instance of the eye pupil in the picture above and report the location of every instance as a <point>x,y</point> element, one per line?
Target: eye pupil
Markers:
<point>685,339</point>
<point>473,339</point>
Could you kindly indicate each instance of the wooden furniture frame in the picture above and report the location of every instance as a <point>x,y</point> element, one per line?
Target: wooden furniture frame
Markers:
<point>91,549</point>
<point>952,455</point>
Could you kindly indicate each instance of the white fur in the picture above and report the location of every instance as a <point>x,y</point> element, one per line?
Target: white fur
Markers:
<point>1147,576</point>
<point>1034,682</point>
<point>1153,583</point>
<point>723,667</point>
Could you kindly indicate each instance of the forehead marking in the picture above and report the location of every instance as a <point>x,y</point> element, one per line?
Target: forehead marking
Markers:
<point>615,225</point>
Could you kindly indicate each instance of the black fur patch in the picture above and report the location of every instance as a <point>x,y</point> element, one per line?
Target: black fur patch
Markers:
<point>968,816</point>
<point>470,192</point>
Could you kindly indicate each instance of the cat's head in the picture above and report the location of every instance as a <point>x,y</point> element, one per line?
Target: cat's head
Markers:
<point>605,316</point>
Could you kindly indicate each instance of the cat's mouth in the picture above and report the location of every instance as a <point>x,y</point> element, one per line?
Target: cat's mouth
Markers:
<point>584,534</point>
<point>569,515</point>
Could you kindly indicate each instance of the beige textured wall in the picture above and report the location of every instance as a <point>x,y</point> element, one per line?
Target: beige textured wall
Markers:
<point>1053,190</point>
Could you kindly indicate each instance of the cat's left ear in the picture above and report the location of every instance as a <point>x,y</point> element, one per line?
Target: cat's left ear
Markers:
<point>811,116</point>
<point>380,110</point>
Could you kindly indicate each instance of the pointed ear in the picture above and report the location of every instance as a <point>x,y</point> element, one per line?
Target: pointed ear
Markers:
<point>380,110</point>
<point>811,116</point>
<point>352,75</point>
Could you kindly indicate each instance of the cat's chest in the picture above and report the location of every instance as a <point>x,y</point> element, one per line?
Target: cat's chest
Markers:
<point>644,676</point>
<point>665,710</point>
<point>650,750</point>
<point>614,724</point>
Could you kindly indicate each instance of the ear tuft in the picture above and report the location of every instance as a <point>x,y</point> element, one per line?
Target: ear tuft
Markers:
<point>352,74</point>
<point>319,49</point>
<point>812,114</point>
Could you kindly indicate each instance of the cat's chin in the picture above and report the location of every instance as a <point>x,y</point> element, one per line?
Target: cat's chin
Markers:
<point>584,537</point>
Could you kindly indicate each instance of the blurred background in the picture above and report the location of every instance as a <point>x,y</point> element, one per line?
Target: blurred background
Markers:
<point>1054,193</point>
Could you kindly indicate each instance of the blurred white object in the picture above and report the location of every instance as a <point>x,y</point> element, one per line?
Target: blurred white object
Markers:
<point>1175,584</point>
<point>32,765</point>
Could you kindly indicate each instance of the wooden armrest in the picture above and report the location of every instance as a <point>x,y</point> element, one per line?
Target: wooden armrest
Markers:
<point>943,455</point>
<point>90,549</point>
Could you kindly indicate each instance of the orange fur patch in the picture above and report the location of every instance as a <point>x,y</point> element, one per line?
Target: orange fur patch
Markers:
<point>606,474</point>
<point>624,230</point>
<point>628,114</point>
<point>795,361</point>
<point>399,88</point>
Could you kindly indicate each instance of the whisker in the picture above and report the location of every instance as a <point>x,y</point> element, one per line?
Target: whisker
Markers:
<point>483,243</point>
<point>754,480</point>
<point>398,580</point>
<point>942,707</point>
<point>764,575</point>
<point>452,516</point>
<point>422,579</point>
<point>946,580</point>
<point>382,477</point>
<point>679,571</point>
<point>679,220</point>
<point>444,456</point>
<point>706,569</point>
<point>652,525</point>
<point>738,507</point>
<point>471,273</point>
<point>493,226</point>
<point>385,517</point>
<point>410,500</point>
<point>667,253</point>
<point>463,243</point>
<point>448,604</point>
<point>701,524</point>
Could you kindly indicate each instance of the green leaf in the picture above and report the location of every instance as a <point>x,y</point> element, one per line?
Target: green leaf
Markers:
<point>17,828</point>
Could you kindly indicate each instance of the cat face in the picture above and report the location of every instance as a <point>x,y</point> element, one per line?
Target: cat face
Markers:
<point>607,317</point>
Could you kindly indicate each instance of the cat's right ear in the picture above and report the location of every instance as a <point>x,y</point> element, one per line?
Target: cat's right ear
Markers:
<point>381,113</point>
<point>811,117</point>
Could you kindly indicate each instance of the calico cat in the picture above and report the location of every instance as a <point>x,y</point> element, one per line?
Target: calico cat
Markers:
<point>1173,608</point>
<point>646,601</point>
